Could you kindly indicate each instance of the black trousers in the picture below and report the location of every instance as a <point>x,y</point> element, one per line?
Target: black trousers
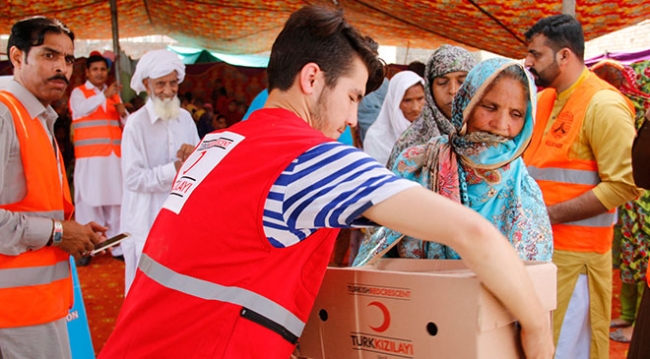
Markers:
<point>640,345</point>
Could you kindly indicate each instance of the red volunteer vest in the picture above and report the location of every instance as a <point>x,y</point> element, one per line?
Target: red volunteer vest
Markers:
<point>36,286</point>
<point>562,177</point>
<point>98,134</point>
<point>215,247</point>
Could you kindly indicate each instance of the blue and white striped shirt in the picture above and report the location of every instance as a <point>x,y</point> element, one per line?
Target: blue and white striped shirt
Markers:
<point>328,186</point>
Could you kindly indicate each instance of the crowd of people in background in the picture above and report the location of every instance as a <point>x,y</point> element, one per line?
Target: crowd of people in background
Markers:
<point>530,159</point>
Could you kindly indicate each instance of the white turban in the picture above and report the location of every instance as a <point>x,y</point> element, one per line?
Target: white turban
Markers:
<point>156,64</point>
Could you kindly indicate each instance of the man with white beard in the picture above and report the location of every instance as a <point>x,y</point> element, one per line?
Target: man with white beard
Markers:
<point>156,140</point>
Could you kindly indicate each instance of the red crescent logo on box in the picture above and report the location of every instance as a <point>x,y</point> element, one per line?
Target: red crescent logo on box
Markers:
<point>384,325</point>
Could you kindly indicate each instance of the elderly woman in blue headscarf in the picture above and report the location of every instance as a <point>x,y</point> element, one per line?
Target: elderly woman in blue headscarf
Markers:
<point>479,165</point>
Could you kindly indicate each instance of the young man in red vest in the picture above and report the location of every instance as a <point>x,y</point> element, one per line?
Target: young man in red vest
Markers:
<point>36,240</point>
<point>98,116</point>
<point>276,188</point>
<point>580,157</point>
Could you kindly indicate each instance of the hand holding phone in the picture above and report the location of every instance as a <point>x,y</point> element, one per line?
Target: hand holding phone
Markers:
<point>111,242</point>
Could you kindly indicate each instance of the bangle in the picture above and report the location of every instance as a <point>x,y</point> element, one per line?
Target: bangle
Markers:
<point>57,233</point>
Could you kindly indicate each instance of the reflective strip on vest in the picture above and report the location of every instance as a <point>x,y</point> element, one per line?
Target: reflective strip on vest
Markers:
<point>564,175</point>
<point>211,291</point>
<point>94,141</point>
<point>117,142</point>
<point>602,220</point>
<point>95,123</point>
<point>29,276</point>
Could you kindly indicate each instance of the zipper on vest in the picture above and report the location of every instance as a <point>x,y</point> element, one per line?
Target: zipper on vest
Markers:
<point>269,324</point>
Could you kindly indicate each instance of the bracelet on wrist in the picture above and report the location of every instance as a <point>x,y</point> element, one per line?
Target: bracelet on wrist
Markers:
<point>57,233</point>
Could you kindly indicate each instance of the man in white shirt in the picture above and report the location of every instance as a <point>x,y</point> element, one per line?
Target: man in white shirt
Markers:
<point>156,140</point>
<point>97,119</point>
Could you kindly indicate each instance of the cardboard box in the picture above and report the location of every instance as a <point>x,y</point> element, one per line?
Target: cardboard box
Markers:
<point>415,308</point>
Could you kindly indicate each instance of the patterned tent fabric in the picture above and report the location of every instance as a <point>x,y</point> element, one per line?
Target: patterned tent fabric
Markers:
<point>245,27</point>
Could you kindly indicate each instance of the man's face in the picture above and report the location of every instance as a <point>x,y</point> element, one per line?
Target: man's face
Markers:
<point>97,73</point>
<point>46,70</point>
<point>165,87</point>
<point>336,108</point>
<point>542,62</point>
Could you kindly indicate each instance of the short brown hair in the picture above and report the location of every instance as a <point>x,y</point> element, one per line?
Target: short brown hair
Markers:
<point>322,36</point>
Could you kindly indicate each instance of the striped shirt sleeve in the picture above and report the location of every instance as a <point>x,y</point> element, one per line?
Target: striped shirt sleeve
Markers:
<point>328,186</point>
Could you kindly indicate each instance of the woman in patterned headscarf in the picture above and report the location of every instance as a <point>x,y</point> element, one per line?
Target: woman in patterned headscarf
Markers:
<point>445,72</point>
<point>479,164</point>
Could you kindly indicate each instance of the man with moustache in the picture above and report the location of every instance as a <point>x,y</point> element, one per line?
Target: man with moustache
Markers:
<point>156,140</point>
<point>580,156</point>
<point>36,237</point>
<point>277,187</point>
<point>97,119</point>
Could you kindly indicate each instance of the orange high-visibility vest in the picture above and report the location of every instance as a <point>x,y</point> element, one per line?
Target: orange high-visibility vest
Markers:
<point>36,286</point>
<point>98,134</point>
<point>562,177</point>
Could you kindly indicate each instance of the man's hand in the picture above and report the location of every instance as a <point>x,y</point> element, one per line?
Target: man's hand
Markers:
<point>112,90</point>
<point>79,240</point>
<point>121,109</point>
<point>184,152</point>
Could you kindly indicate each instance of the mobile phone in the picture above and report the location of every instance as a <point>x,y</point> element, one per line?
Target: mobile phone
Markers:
<point>111,242</point>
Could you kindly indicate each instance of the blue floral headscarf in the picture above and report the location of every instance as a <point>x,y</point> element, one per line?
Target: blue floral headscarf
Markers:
<point>481,170</point>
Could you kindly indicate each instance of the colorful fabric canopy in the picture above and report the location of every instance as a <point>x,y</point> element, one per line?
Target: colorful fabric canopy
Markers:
<point>246,27</point>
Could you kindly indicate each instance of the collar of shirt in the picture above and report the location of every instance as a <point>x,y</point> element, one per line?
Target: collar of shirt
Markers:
<point>153,117</point>
<point>34,107</point>
<point>90,86</point>
<point>568,92</point>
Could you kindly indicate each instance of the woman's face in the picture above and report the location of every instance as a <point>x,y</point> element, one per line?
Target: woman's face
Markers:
<point>412,102</point>
<point>501,111</point>
<point>444,88</point>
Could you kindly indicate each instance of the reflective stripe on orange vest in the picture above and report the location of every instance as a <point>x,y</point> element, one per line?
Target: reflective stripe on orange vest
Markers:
<point>98,134</point>
<point>562,177</point>
<point>98,141</point>
<point>94,123</point>
<point>19,277</point>
<point>212,291</point>
<point>36,286</point>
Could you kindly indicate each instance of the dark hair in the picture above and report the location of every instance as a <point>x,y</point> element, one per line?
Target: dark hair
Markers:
<point>418,67</point>
<point>372,44</point>
<point>95,58</point>
<point>322,36</point>
<point>560,31</point>
<point>28,33</point>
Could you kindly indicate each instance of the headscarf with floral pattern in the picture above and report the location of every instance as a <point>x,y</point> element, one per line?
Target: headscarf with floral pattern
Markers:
<point>483,171</point>
<point>432,122</point>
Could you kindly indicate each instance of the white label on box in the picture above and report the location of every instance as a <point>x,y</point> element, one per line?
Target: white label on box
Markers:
<point>212,149</point>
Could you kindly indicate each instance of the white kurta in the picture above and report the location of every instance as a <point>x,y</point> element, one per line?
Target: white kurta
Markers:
<point>97,180</point>
<point>149,147</point>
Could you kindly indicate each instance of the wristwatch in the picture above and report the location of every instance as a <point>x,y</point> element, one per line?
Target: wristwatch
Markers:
<point>57,233</point>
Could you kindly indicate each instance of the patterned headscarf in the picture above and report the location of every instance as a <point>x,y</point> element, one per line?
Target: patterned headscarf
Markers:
<point>432,122</point>
<point>481,170</point>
